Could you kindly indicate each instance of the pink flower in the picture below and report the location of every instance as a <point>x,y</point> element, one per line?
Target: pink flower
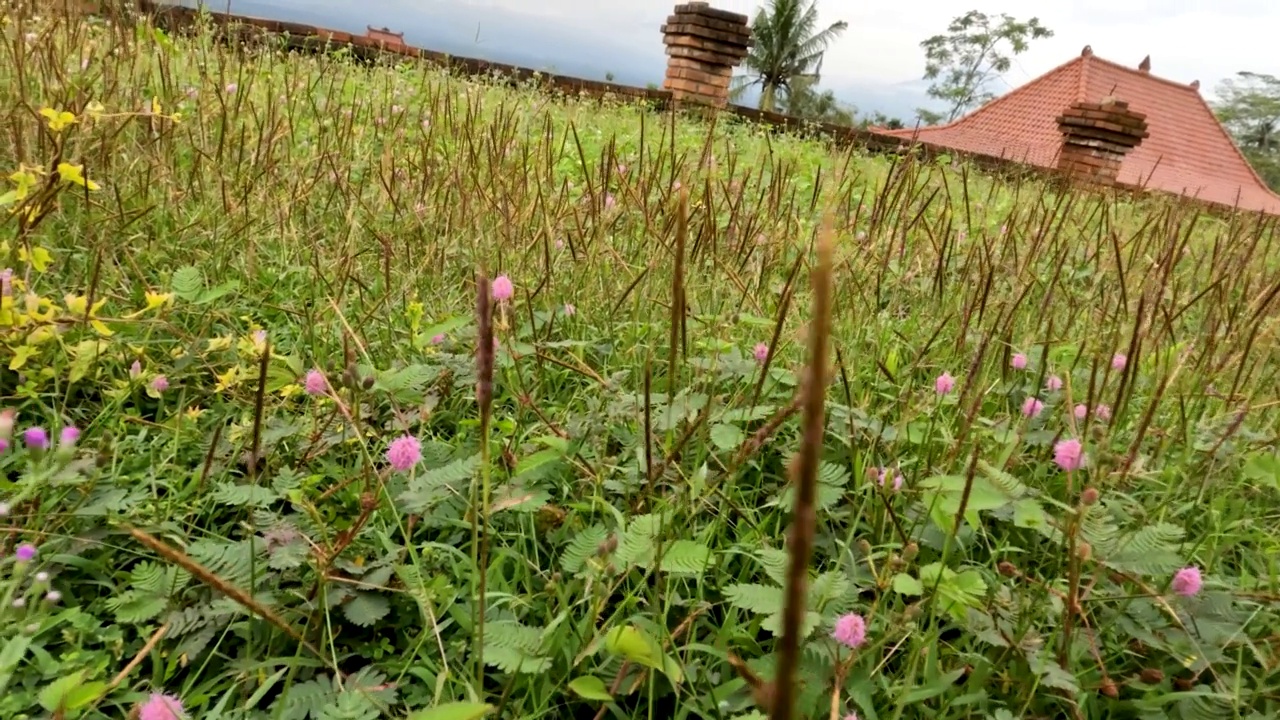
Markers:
<point>4,445</point>
<point>944,384</point>
<point>437,338</point>
<point>404,452</point>
<point>231,88</point>
<point>761,352</point>
<point>1031,407</point>
<point>1081,411</point>
<point>160,383</point>
<point>315,382</point>
<point>884,476</point>
<point>26,552</point>
<point>609,201</point>
<point>1103,412</point>
<point>135,369</point>
<point>502,288</point>
<point>1019,361</point>
<point>570,310</point>
<point>1187,581</point>
<point>1054,383</point>
<point>69,435</point>
<point>1069,454</point>
<point>1119,361</point>
<point>851,716</point>
<point>850,630</point>
<point>36,437</point>
<point>161,707</point>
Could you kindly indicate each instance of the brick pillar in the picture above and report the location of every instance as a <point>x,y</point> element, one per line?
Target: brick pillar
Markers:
<point>704,45</point>
<point>1096,137</point>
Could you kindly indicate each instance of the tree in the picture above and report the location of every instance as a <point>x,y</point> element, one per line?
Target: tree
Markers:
<point>804,101</point>
<point>973,53</point>
<point>1249,108</point>
<point>787,47</point>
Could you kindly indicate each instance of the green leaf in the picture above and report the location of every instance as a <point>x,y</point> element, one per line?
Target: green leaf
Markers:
<point>82,695</point>
<point>54,695</point>
<point>686,557</point>
<point>726,437</point>
<point>187,282</point>
<point>633,644</point>
<point>1265,468</point>
<point>454,711</point>
<point>933,689</point>
<point>904,584</point>
<point>591,687</point>
<point>758,599</point>
<point>365,608</point>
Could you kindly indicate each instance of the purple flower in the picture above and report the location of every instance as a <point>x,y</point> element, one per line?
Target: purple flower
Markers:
<point>1019,361</point>
<point>160,383</point>
<point>1187,581</point>
<point>944,383</point>
<point>68,437</point>
<point>404,452</point>
<point>761,352</point>
<point>315,383</point>
<point>1031,407</point>
<point>4,445</point>
<point>162,707</point>
<point>1053,384</point>
<point>26,552</point>
<point>502,288</point>
<point>1069,454</point>
<point>850,630</point>
<point>36,437</point>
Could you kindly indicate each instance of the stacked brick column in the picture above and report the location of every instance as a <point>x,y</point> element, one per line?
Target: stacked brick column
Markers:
<point>704,45</point>
<point>1096,137</point>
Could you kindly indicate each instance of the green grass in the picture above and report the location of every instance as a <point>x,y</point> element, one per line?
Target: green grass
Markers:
<point>246,547</point>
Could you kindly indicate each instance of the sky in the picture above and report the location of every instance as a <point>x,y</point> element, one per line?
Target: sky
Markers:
<point>876,64</point>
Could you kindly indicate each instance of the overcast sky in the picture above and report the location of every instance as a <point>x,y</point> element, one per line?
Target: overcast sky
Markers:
<point>1188,40</point>
<point>876,64</point>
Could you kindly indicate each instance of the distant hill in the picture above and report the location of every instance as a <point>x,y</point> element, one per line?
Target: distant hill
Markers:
<point>529,40</point>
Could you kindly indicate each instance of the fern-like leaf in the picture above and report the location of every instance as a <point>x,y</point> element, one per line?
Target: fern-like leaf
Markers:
<point>584,545</point>
<point>758,599</point>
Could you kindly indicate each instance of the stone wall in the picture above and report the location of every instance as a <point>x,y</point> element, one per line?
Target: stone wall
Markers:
<point>704,45</point>
<point>1096,137</point>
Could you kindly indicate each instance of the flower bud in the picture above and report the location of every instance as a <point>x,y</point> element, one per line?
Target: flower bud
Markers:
<point>1089,496</point>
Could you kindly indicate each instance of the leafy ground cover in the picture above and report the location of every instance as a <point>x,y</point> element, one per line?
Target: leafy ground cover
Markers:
<point>246,473</point>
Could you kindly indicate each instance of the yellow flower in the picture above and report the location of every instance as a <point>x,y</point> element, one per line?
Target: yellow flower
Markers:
<point>76,307</point>
<point>74,174</point>
<point>38,257</point>
<point>194,413</point>
<point>290,390</point>
<point>154,300</point>
<point>228,379</point>
<point>94,109</point>
<point>24,180</point>
<point>59,120</point>
<point>220,343</point>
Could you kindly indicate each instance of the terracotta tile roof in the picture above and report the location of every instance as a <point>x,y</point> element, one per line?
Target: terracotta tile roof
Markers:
<point>1188,152</point>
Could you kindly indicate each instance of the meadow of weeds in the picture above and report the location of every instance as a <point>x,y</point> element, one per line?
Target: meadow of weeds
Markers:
<point>254,466</point>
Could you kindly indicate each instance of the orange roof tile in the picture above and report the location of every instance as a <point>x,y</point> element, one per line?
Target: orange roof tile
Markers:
<point>1188,151</point>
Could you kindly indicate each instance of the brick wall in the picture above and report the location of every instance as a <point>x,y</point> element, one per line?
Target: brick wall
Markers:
<point>1096,137</point>
<point>704,45</point>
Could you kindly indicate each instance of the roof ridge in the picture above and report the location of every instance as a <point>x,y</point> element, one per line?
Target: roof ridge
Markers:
<point>1012,93</point>
<point>1147,75</point>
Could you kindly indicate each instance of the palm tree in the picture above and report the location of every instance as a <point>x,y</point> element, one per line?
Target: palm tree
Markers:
<point>787,46</point>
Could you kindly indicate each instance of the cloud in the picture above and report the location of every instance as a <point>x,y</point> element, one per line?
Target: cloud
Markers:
<point>1206,40</point>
